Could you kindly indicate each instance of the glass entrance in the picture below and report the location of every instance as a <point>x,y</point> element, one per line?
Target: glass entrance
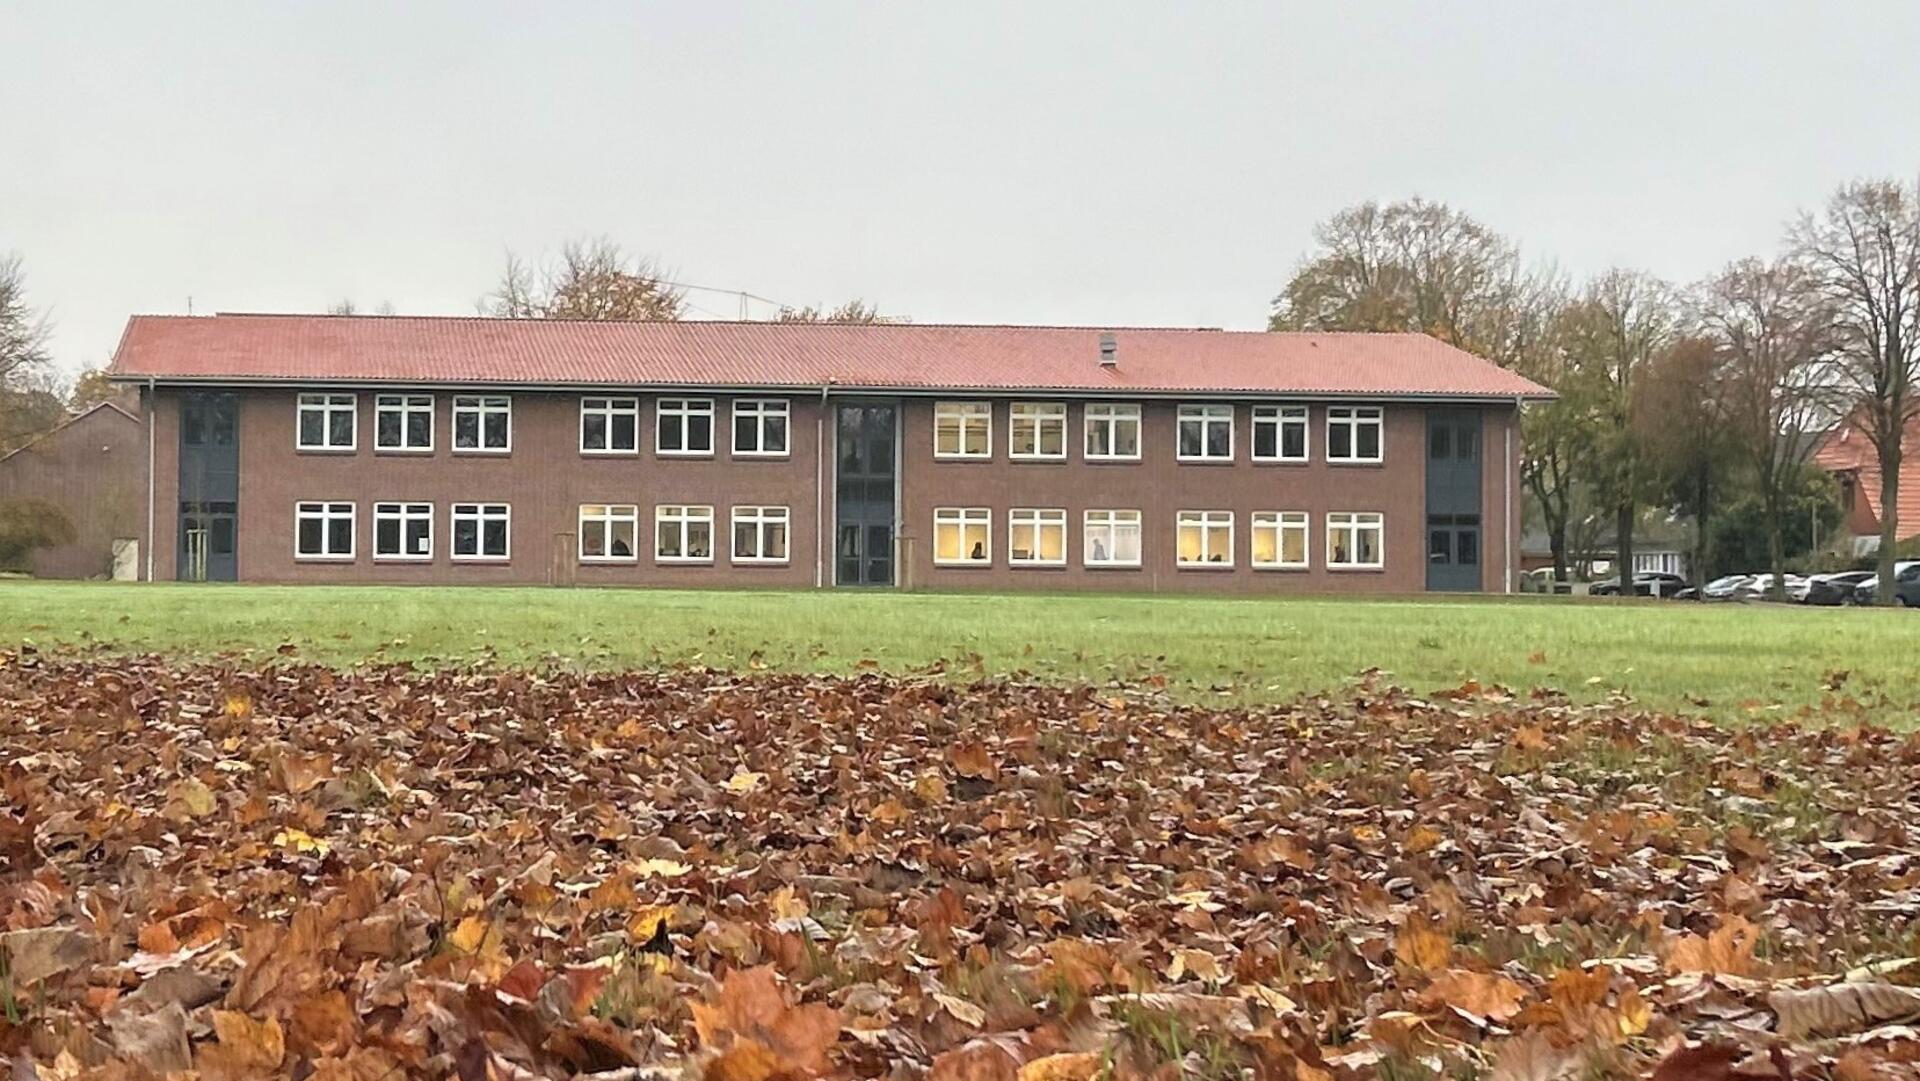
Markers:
<point>209,488</point>
<point>865,455</point>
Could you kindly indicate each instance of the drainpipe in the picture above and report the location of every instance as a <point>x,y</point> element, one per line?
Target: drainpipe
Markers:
<point>1507,468</point>
<point>152,410</point>
<point>820,489</point>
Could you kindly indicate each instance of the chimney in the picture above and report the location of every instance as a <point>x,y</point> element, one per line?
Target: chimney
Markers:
<point>1109,351</point>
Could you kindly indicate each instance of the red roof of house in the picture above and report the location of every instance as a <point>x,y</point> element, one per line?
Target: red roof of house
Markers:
<point>437,349</point>
<point>1846,449</point>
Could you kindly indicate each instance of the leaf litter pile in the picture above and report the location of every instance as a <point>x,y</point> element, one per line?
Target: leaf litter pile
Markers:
<point>292,871</point>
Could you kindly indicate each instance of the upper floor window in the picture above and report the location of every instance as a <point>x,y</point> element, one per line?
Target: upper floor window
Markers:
<point>403,422</point>
<point>1279,539</point>
<point>483,423</point>
<point>683,534</point>
<point>1354,539</point>
<point>607,532</point>
<point>760,534</point>
<point>1206,433</point>
<point>323,530</point>
<point>482,532</point>
<point>962,430</point>
<point>760,427</point>
<point>609,425</point>
<point>1279,433</point>
<point>1037,430</point>
<point>1111,539</point>
<point>1353,433</point>
<point>1113,432</point>
<point>403,531</point>
<point>962,535</point>
<point>1205,538</point>
<point>1036,538</point>
<point>327,421</point>
<point>683,426</point>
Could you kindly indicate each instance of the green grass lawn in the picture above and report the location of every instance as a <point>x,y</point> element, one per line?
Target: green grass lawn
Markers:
<point>1732,660</point>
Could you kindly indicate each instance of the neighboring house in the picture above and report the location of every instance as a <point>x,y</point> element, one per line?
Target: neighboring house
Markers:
<point>93,467</point>
<point>473,450</point>
<point>1655,551</point>
<point>1847,454</point>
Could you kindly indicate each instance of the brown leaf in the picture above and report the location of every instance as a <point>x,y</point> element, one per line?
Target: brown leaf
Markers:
<point>1842,1008</point>
<point>1727,951</point>
<point>1532,1057</point>
<point>752,1008</point>
<point>1482,994</point>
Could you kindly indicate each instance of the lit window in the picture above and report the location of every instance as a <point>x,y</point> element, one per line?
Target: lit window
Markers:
<point>1353,433</point>
<point>1279,539</point>
<point>482,423</point>
<point>403,531</point>
<point>323,530</point>
<point>1279,433</point>
<point>327,421</point>
<point>1037,430</point>
<point>760,534</point>
<point>1037,538</point>
<point>1354,539</point>
<point>1206,538</point>
<point>607,532</point>
<point>1206,433</point>
<point>609,425</point>
<point>481,531</point>
<point>1113,433</point>
<point>760,427</point>
<point>962,535</point>
<point>962,430</point>
<point>403,422</point>
<point>683,534</point>
<point>1112,539</point>
<point>683,426</point>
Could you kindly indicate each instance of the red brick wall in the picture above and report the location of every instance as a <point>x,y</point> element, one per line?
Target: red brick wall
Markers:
<point>94,470</point>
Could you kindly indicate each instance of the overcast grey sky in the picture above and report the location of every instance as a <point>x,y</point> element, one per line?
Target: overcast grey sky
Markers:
<point>983,162</point>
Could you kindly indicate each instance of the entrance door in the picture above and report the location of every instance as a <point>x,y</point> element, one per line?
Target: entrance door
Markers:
<point>1453,499</point>
<point>865,453</point>
<point>209,488</point>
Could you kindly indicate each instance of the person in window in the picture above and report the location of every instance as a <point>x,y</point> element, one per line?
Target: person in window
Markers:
<point>621,550</point>
<point>979,550</point>
<point>1099,551</point>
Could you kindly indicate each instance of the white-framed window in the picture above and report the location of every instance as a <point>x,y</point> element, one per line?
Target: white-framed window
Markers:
<point>760,534</point>
<point>1113,432</point>
<point>1206,433</point>
<point>1353,433</point>
<point>1111,539</point>
<point>1280,539</point>
<point>609,425</point>
<point>1279,433</point>
<point>482,532</point>
<point>403,422</point>
<point>403,531</point>
<point>683,427</point>
<point>1036,537</point>
<point>962,430</point>
<point>323,530</point>
<point>1206,538</point>
<point>608,532</point>
<point>963,536</point>
<point>1037,431</point>
<point>327,422</point>
<point>482,423</point>
<point>760,427</point>
<point>1355,539</point>
<point>682,534</point>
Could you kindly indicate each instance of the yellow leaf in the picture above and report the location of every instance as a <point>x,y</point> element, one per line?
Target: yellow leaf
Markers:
<point>743,782</point>
<point>1421,838</point>
<point>662,868</point>
<point>1634,1013</point>
<point>191,799</point>
<point>1420,946</point>
<point>969,1014</point>
<point>238,704</point>
<point>645,923</point>
<point>931,788</point>
<point>1066,1066</point>
<point>469,935</point>
<point>1483,994</point>
<point>786,905</point>
<point>301,841</point>
<point>260,1044</point>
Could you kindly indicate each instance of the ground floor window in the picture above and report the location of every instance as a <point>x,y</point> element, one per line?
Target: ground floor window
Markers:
<point>683,534</point>
<point>481,531</point>
<point>323,530</point>
<point>1354,539</point>
<point>403,531</point>
<point>607,532</point>
<point>1037,538</point>
<point>1206,538</point>
<point>760,534</point>
<point>962,535</point>
<point>1280,539</point>
<point>1112,539</point>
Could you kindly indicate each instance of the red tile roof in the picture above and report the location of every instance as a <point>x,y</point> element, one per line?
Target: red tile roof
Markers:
<point>1846,450</point>
<point>413,350</point>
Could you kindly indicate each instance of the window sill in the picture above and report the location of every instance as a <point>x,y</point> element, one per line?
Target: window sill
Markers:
<point>1295,462</point>
<point>683,561</point>
<point>1100,459</point>
<point>1363,463</point>
<point>1110,566</point>
<point>323,559</point>
<point>489,561</point>
<point>403,559</point>
<point>684,455</point>
<point>588,453</point>
<point>482,452</point>
<point>963,457</point>
<point>1356,568</point>
<point>763,455</point>
<point>970,564</point>
<point>338,452</point>
<point>1038,459</point>
<point>1030,565</point>
<point>762,562</point>
<point>1214,567</point>
<point>1283,568</point>
<point>403,452</point>
<point>601,561</point>
<point>1204,461</point>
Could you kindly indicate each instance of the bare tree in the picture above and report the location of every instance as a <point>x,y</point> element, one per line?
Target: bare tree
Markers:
<point>23,332</point>
<point>853,311</point>
<point>593,279</point>
<point>1863,250</point>
<point>1771,330</point>
<point>1683,433</point>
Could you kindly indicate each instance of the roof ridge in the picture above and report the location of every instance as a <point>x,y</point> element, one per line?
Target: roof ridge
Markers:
<point>947,325</point>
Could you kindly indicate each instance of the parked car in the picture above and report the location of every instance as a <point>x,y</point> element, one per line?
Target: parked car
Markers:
<point>1906,585</point>
<point>1760,587</point>
<point>1831,589</point>
<point>1645,584</point>
<point>1720,589</point>
<point>1541,580</point>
